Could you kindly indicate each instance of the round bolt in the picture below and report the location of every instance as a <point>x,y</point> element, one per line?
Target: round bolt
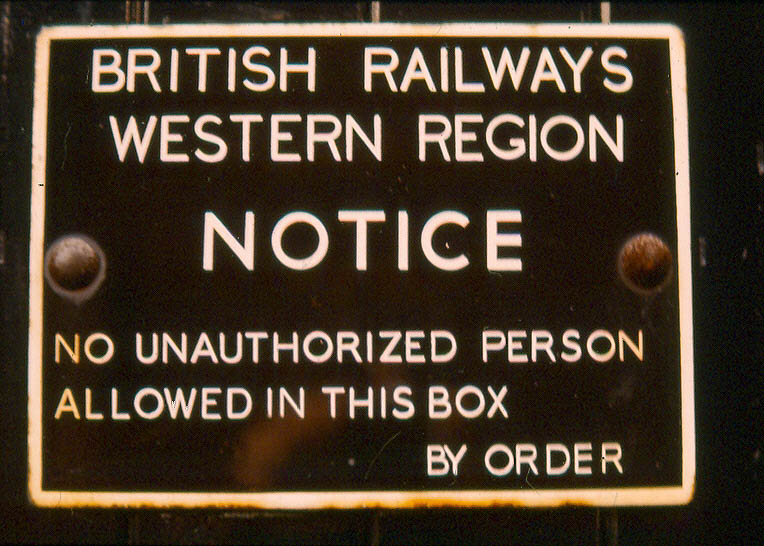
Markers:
<point>75,267</point>
<point>645,263</point>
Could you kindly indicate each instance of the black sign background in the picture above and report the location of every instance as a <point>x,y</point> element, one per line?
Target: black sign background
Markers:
<point>148,220</point>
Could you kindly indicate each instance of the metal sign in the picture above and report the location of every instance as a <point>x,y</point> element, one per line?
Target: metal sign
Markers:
<point>354,265</point>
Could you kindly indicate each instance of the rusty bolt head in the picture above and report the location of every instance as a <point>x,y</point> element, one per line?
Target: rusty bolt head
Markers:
<point>75,266</point>
<point>645,263</point>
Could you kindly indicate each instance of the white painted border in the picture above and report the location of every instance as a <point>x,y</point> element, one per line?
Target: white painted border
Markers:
<point>632,496</point>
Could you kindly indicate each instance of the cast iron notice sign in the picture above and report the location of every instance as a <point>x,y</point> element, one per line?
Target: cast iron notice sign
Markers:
<point>352,265</point>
